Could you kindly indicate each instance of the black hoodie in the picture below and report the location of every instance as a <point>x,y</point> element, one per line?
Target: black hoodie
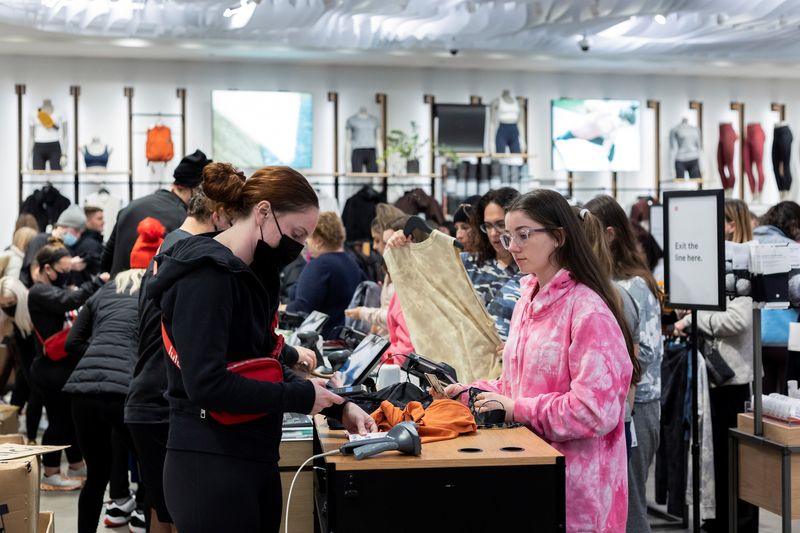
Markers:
<point>217,310</point>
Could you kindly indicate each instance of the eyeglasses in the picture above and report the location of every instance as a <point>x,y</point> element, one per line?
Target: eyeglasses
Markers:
<point>467,208</point>
<point>500,227</point>
<point>521,237</point>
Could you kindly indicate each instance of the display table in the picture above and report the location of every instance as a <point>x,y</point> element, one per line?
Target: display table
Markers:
<point>295,449</point>
<point>492,479</point>
<point>764,469</point>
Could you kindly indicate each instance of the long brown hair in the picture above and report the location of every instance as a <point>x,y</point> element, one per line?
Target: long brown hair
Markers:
<point>283,187</point>
<point>575,254</point>
<point>737,213</point>
<point>596,235</point>
<point>628,262</point>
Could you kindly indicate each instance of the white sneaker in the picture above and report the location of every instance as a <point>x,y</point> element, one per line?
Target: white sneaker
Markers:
<point>118,515</point>
<point>137,523</point>
<point>59,482</point>
<point>79,474</point>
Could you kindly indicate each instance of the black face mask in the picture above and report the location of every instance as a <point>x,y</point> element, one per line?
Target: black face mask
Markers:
<point>287,250</point>
<point>10,310</point>
<point>61,279</point>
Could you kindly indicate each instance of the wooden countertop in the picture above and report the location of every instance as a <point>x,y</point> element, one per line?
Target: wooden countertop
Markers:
<point>445,454</point>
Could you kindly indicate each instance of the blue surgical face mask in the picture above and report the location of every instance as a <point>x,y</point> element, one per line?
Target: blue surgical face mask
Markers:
<point>70,239</point>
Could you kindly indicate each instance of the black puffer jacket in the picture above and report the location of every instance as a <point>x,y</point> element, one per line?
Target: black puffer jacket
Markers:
<point>105,337</point>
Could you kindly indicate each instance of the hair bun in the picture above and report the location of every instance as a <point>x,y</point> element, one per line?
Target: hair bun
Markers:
<point>224,183</point>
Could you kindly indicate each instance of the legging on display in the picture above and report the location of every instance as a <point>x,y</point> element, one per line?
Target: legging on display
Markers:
<point>507,137</point>
<point>782,156</point>
<point>754,154</point>
<point>727,142</point>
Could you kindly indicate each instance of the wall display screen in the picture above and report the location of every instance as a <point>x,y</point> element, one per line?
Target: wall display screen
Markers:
<point>595,135</point>
<point>252,129</point>
<point>461,127</point>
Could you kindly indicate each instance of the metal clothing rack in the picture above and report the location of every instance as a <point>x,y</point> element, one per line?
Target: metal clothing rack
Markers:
<point>180,93</point>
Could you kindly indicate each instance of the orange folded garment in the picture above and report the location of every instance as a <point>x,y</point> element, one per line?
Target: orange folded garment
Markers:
<point>442,420</point>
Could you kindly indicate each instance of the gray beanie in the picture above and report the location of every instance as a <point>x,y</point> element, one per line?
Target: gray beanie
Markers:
<point>72,217</point>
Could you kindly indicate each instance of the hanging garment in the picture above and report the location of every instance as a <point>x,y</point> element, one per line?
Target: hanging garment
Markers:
<point>110,205</point>
<point>672,457</point>
<point>727,142</point>
<point>782,155</point>
<point>754,155</point>
<point>359,210</point>
<point>442,420</point>
<point>159,144</point>
<point>417,201</point>
<point>45,204</point>
<point>368,294</point>
<point>95,160</point>
<point>708,499</point>
<point>445,316</point>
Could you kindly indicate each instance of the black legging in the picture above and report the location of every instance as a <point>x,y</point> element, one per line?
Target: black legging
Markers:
<point>210,493</point>
<point>781,157</point>
<point>98,424</point>
<point>60,429</point>
<point>25,392</point>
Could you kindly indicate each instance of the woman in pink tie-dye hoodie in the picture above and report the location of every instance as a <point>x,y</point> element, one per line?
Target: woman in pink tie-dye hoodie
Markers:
<point>567,365</point>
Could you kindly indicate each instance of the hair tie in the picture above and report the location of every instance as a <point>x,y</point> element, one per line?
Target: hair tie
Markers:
<point>583,213</point>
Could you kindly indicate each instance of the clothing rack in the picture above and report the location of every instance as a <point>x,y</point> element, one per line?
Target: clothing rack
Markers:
<point>180,93</point>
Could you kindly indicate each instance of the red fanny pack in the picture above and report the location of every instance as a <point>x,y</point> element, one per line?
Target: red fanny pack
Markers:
<point>54,345</point>
<point>259,368</point>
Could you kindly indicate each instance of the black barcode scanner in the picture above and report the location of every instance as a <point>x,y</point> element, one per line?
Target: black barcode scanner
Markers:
<point>403,438</point>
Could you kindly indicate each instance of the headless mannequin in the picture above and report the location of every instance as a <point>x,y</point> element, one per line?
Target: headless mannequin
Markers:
<point>48,135</point>
<point>96,149</point>
<point>685,144</point>
<point>507,124</point>
<point>358,144</point>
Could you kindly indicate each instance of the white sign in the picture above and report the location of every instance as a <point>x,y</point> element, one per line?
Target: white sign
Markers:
<point>693,249</point>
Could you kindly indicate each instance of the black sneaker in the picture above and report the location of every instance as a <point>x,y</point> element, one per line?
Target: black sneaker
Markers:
<point>137,523</point>
<point>118,515</point>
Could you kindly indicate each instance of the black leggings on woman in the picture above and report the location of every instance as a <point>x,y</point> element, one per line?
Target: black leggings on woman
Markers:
<point>209,493</point>
<point>98,423</point>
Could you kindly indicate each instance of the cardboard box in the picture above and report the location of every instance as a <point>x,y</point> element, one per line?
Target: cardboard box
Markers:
<point>9,419</point>
<point>47,522</point>
<point>19,489</point>
<point>13,438</point>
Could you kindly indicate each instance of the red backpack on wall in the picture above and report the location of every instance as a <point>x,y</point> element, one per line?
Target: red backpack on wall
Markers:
<point>159,144</point>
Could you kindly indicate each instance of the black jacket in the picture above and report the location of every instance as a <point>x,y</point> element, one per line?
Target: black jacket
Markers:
<point>48,306</point>
<point>358,212</point>
<point>104,337</point>
<point>164,206</point>
<point>145,403</point>
<point>217,310</point>
<point>45,205</point>
<point>90,248</point>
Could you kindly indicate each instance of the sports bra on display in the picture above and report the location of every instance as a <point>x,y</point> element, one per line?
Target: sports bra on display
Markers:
<point>507,112</point>
<point>95,160</point>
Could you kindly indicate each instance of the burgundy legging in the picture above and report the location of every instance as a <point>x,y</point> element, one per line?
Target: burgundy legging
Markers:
<point>727,141</point>
<point>754,153</point>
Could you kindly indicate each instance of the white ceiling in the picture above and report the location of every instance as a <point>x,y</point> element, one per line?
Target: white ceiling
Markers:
<point>698,37</point>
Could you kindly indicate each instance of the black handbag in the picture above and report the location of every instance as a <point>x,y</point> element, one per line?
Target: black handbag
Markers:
<point>718,370</point>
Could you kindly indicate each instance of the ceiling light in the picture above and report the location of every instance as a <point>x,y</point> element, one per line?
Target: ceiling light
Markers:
<point>191,46</point>
<point>660,19</point>
<point>131,43</point>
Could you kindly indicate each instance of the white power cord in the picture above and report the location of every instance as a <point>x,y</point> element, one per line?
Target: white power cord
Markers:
<point>291,487</point>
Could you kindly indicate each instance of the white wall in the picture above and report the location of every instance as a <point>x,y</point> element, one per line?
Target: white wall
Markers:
<point>103,109</point>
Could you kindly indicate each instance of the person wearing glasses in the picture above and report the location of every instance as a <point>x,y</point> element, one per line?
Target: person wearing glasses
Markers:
<point>491,266</point>
<point>569,359</point>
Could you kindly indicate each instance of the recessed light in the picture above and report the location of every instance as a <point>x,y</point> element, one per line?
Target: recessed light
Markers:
<point>191,46</point>
<point>400,53</point>
<point>660,19</point>
<point>348,51</point>
<point>131,43</point>
<point>498,56</point>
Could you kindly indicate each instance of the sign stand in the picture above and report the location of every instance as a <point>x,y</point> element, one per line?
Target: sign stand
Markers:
<point>694,276</point>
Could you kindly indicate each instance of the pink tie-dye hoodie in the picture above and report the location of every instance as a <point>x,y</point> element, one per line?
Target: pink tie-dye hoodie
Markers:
<point>567,369</point>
